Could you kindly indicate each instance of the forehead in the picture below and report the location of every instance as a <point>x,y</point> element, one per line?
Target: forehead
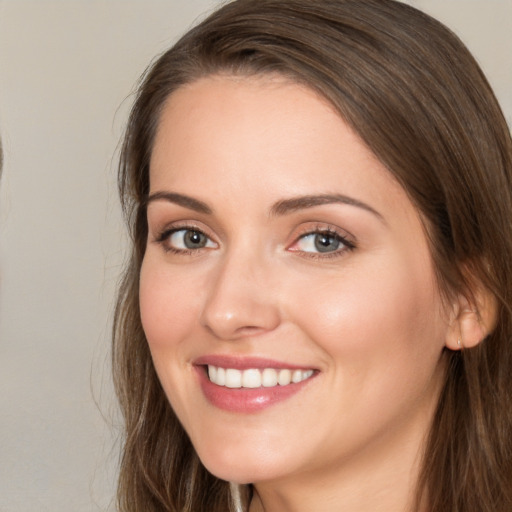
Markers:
<point>241,101</point>
<point>250,133</point>
<point>254,111</point>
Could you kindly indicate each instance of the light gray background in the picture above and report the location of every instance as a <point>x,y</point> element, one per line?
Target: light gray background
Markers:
<point>66,72</point>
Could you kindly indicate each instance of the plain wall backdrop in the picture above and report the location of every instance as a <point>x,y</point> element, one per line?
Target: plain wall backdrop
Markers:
<point>67,70</point>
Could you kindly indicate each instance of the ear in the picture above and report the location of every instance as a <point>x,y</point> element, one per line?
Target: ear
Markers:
<point>473,318</point>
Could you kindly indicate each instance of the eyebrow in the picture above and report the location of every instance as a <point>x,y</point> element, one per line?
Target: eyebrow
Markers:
<point>303,202</point>
<point>280,208</point>
<point>181,200</point>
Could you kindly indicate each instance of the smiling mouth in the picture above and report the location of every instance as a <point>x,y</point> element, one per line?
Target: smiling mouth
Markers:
<point>256,378</point>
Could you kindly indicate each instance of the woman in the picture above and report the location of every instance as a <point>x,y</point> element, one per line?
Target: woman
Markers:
<point>317,309</point>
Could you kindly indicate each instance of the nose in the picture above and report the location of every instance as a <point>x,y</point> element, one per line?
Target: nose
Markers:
<point>241,301</point>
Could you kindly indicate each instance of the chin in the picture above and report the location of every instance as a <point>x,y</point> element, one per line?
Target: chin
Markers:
<point>239,469</point>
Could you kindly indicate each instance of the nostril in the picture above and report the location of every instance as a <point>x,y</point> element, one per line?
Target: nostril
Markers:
<point>250,330</point>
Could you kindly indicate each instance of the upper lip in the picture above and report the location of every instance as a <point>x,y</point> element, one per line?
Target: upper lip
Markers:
<point>246,363</point>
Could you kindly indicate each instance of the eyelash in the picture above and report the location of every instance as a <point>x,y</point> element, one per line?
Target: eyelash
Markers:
<point>164,236</point>
<point>347,244</point>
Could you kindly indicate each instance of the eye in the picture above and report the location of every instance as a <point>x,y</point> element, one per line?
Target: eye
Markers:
<point>322,242</point>
<point>185,239</point>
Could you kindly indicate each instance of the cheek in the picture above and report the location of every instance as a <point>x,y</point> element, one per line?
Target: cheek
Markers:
<point>375,316</point>
<point>168,305</point>
<point>383,337</point>
<point>169,312</point>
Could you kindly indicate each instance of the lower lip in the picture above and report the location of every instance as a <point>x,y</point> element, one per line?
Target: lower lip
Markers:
<point>246,400</point>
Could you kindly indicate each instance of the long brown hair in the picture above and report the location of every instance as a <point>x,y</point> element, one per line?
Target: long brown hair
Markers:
<point>416,96</point>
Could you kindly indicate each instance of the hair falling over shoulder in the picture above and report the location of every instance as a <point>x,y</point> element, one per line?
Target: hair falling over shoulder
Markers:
<point>418,99</point>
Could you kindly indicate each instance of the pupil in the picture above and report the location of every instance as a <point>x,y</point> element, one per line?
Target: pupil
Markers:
<point>326,243</point>
<point>194,239</point>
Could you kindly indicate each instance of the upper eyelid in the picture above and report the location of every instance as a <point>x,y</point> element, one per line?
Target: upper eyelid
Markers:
<point>162,219</point>
<point>174,226</point>
<point>326,228</point>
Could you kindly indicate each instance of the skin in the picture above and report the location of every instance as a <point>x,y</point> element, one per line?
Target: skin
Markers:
<point>369,318</point>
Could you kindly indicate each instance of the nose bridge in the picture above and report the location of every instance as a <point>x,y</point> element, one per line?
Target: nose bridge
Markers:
<point>240,301</point>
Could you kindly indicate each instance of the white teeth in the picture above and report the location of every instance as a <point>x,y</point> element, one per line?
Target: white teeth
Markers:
<point>269,378</point>
<point>296,376</point>
<point>220,378</point>
<point>254,378</point>
<point>251,379</point>
<point>285,377</point>
<point>233,378</point>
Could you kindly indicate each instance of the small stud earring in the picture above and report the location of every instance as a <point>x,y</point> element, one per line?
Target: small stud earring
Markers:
<point>459,343</point>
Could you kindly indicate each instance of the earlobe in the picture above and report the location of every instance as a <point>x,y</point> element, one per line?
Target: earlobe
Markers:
<point>473,320</point>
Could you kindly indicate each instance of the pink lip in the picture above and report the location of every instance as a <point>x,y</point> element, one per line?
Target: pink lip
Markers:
<point>244,400</point>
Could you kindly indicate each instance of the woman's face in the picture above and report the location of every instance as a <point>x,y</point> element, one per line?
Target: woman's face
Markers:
<point>284,259</point>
